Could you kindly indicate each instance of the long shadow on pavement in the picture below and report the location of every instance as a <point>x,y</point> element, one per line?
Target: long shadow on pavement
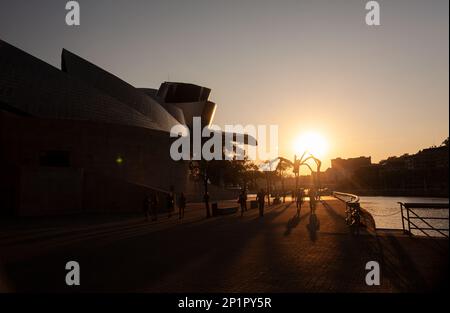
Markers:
<point>179,259</point>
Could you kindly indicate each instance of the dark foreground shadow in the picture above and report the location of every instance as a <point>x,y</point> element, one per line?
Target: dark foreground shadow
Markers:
<point>313,226</point>
<point>293,222</point>
<point>407,264</point>
<point>135,258</point>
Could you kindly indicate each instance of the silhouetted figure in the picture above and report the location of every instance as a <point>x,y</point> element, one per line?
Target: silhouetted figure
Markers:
<point>154,206</point>
<point>260,198</point>
<point>146,207</point>
<point>245,197</point>
<point>313,226</point>
<point>181,205</point>
<point>243,202</point>
<point>312,199</point>
<point>170,204</point>
<point>206,200</point>
<point>299,200</point>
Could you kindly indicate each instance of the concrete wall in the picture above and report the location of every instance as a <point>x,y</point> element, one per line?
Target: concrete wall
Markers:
<point>46,191</point>
<point>105,194</point>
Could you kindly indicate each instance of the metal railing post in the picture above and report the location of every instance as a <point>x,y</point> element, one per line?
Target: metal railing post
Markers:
<point>409,224</point>
<point>403,218</point>
<point>358,216</point>
<point>353,211</point>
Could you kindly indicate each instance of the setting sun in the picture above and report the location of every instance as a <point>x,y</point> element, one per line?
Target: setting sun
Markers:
<point>311,142</point>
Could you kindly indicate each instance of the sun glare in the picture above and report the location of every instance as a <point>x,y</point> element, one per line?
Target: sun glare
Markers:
<point>311,142</point>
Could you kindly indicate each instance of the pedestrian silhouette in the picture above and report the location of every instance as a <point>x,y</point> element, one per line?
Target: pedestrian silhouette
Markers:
<point>206,200</point>
<point>245,198</point>
<point>243,202</point>
<point>260,198</point>
<point>181,205</point>
<point>312,199</point>
<point>313,226</point>
<point>299,200</point>
<point>170,204</point>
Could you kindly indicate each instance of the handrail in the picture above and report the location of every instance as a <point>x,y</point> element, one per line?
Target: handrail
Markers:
<point>352,209</point>
<point>430,206</point>
<point>353,198</point>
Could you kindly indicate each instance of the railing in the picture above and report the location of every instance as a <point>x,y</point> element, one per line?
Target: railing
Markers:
<point>409,216</point>
<point>352,210</point>
<point>342,195</point>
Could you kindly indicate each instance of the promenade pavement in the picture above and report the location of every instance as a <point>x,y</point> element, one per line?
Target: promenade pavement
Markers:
<point>281,252</point>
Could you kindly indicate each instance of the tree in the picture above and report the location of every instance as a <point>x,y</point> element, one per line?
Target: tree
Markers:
<point>199,171</point>
<point>281,168</point>
<point>223,172</point>
<point>246,172</point>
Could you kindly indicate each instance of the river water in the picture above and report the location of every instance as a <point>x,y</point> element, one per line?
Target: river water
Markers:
<point>386,211</point>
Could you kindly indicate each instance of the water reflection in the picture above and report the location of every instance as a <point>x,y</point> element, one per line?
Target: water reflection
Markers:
<point>386,210</point>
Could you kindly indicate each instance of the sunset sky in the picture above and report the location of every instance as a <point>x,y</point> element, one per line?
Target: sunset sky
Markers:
<point>308,66</point>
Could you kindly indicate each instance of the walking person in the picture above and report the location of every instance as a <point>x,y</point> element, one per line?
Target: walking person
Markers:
<point>312,199</point>
<point>181,205</point>
<point>206,201</point>
<point>170,204</point>
<point>245,199</point>
<point>242,200</point>
<point>299,200</point>
<point>260,198</point>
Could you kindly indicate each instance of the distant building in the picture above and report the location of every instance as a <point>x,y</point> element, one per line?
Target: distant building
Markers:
<point>436,157</point>
<point>430,158</point>
<point>344,168</point>
<point>81,139</point>
<point>422,174</point>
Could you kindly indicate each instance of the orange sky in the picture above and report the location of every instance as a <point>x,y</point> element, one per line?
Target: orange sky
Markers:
<point>304,65</point>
